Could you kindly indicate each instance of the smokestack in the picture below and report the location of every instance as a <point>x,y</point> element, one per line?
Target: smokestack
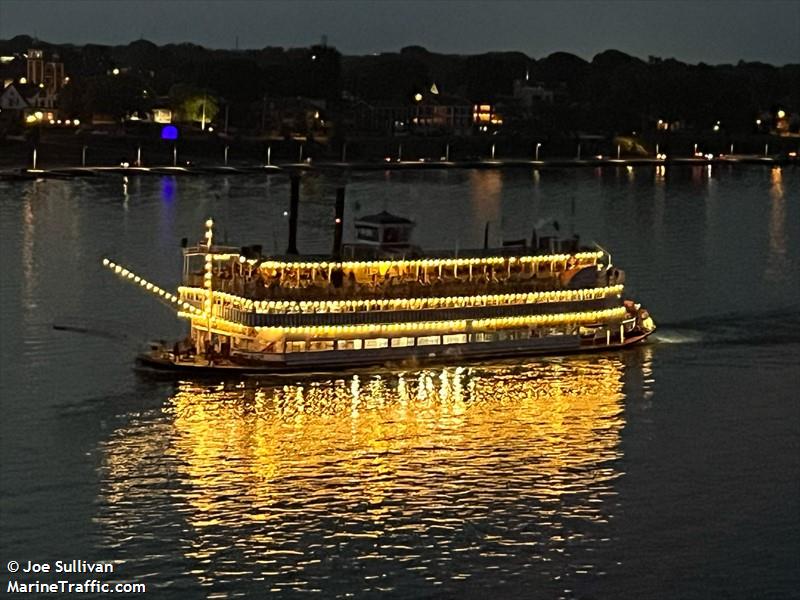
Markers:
<point>294,201</point>
<point>338,224</point>
<point>486,236</point>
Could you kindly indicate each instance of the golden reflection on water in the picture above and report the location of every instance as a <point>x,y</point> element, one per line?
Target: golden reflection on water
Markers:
<point>425,476</point>
<point>777,260</point>
<point>486,188</point>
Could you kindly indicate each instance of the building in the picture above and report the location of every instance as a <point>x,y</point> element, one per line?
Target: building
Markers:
<point>48,73</point>
<point>486,117</point>
<point>161,114</point>
<point>529,94</point>
<point>30,91</point>
<point>297,118</point>
<point>28,103</point>
<point>429,114</point>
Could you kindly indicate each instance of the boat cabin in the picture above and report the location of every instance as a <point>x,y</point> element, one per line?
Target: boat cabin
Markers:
<point>382,233</point>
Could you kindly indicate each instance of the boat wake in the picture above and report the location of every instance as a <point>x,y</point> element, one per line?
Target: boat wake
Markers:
<point>774,327</point>
<point>677,336</point>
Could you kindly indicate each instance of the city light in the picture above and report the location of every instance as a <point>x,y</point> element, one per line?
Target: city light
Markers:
<point>169,132</point>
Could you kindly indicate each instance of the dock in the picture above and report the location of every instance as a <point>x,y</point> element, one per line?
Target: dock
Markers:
<point>384,165</point>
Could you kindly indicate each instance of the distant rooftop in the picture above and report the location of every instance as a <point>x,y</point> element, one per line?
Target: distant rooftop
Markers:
<point>384,218</point>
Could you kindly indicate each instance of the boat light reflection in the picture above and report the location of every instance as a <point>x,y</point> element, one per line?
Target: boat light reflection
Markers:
<point>281,480</point>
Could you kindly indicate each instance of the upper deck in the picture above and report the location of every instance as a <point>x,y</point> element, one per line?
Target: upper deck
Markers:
<point>437,274</point>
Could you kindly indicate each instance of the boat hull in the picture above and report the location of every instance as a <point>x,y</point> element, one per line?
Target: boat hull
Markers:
<point>307,362</point>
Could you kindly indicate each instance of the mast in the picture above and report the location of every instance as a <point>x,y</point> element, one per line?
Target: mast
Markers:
<point>207,280</point>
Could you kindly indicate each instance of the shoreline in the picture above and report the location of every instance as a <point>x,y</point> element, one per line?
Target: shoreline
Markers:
<point>71,172</point>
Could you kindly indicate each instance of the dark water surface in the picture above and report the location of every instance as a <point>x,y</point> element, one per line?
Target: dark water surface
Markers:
<point>667,471</point>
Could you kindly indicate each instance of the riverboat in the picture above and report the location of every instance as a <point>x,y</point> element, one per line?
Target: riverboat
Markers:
<point>381,300</point>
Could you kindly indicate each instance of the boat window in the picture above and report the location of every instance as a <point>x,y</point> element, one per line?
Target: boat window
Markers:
<point>402,341</point>
<point>428,340</point>
<point>455,338</point>
<point>367,233</point>
<point>376,343</point>
<point>318,346</point>
<point>349,344</point>
<point>483,337</point>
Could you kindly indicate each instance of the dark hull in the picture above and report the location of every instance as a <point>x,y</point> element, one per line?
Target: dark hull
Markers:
<point>347,360</point>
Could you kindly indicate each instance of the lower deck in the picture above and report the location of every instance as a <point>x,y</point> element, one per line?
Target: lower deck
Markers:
<point>162,359</point>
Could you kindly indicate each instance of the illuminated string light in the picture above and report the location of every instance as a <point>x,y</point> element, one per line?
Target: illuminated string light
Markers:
<point>367,304</point>
<point>151,287</point>
<point>580,257</point>
<point>419,327</point>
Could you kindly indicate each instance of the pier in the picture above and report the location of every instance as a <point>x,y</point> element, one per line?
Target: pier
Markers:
<point>384,165</point>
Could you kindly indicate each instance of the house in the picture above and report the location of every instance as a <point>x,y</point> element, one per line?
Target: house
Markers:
<point>428,114</point>
<point>297,118</point>
<point>28,103</point>
<point>31,98</point>
<point>441,113</point>
<point>161,114</point>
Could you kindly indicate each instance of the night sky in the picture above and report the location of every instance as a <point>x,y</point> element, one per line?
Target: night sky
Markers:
<point>712,31</point>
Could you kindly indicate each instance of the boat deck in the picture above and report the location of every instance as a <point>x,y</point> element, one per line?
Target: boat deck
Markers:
<point>409,355</point>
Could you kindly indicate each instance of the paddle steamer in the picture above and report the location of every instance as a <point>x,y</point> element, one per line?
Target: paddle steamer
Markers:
<point>382,300</point>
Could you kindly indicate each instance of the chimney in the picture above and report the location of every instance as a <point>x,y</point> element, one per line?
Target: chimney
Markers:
<point>338,225</point>
<point>294,201</point>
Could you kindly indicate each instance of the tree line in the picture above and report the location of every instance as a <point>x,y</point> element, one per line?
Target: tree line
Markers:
<point>612,93</point>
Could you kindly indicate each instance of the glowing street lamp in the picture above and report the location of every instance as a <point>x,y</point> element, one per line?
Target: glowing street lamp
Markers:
<point>538,145</point>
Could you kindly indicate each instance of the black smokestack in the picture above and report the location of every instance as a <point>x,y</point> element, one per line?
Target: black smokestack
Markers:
<point>486,236</point>
<point>338,224</point>
<point>294,201</point>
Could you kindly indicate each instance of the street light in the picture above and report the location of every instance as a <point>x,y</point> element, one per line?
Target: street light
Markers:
<point>538,145</point>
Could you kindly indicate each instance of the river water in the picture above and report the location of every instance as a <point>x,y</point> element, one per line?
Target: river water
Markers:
<point>671,470</point>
